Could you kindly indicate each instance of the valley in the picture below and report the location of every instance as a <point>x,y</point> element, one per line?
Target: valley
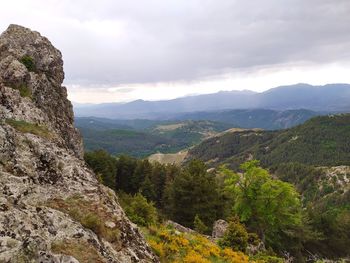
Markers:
<point>143,137</point>
<point>305,150</point>
<point>311,159</point>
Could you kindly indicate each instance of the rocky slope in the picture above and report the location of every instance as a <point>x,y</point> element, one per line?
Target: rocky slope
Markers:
<point>52,208</point>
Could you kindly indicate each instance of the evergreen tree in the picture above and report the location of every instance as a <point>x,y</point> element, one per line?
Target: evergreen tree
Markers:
<point>193,192</point>
<point>125,167</point>
<point>158,178</point>
<point>199,226</point>
<point>142,170</point>
<point>103,164</point>
<point>147,189</point>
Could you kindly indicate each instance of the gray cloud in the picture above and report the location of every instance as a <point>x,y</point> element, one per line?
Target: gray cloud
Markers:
<point>124,42</point>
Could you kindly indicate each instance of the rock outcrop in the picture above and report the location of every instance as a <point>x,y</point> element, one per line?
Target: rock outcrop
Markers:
<point>219,228</point>
<point>179,227</point>
<point>52,208</point>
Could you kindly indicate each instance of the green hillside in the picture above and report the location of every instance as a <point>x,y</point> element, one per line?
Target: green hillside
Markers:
<point>315,157</point>
<point>321,141</point>
<point>255,118</point>
<point>117,141</point>
<point>143,138</point>
<point>300,196</point>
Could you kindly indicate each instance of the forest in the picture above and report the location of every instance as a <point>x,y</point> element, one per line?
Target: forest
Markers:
<point>320,141</point>
<point>282,206</point>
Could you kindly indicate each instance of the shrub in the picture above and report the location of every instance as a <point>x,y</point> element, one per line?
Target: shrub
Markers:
<point>173,246</point>
<point>235,237</point>
<point>93,222</point>
<point>28,61</point>
<point>194,257</point>
<point>24,91</point>
<point>138,209</point>
<point>199,226</point>
<point>233,256</point>
<point>265,258</point>
<point>253,239</point>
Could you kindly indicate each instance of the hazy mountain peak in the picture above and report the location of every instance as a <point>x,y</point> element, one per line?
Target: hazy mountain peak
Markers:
<point>331,97</point>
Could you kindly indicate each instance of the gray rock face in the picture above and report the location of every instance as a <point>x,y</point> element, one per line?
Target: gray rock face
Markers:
<point>219,228</point>
<point>44,79</point>
<point>52,208</point>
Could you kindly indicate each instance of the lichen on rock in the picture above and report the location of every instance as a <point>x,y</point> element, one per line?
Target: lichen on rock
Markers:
<point>42,169</point>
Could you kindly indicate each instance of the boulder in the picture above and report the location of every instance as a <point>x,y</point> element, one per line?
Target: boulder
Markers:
<point>179,227</point>
<point>219,228</point>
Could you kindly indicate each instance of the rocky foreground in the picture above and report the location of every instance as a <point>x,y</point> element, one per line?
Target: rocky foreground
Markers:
<point>52,207</point>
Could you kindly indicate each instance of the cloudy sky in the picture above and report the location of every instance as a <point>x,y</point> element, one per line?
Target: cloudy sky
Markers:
<point>117,50</point>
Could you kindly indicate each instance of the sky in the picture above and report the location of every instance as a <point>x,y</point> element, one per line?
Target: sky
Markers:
<point>118,51</point>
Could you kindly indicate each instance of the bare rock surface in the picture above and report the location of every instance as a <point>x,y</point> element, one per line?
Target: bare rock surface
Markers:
<point>219,228</point>
<point>52,208</point>
<point>179,227</point>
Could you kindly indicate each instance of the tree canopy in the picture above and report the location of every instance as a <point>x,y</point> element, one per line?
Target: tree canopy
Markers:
<point>267,205</point>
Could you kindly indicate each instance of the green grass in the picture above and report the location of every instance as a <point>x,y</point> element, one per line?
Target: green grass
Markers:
<point>24,91</point>
<point>28,61</point>
<point>27,127</point>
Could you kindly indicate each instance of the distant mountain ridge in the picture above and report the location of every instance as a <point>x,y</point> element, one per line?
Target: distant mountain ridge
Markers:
<point>254,118</point>
<point>331,97</point>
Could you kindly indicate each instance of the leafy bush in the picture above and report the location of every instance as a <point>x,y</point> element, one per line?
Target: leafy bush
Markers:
<point>27,127</point>
<point>199,226</point>
<point>193,257</point>
<point>138,209</point>
<point>266,205</point>
<point>24,91</point>
<point>175,247</point>
<point>28,61</point>
<point>235,237</point>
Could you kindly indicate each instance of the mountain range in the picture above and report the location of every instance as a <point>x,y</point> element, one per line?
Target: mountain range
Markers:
<point>330,98</point>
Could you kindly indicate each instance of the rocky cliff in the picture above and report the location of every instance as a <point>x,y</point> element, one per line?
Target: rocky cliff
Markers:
<point>52,208</point>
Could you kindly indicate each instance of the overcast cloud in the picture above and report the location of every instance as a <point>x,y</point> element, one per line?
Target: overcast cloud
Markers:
<point>123,50</point>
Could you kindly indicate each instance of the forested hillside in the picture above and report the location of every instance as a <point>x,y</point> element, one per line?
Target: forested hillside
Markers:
<point>288,189</point>
<point>321,141</point>
<point>141,138</point>
<point>254,118</point>
<point>314,157</point>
